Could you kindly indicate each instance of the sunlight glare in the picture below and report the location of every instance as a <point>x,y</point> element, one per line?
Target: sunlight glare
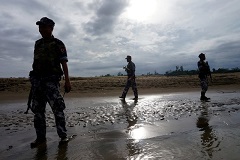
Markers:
<point>141,10</point>
<point>147,10</point>
<point>138,133</point>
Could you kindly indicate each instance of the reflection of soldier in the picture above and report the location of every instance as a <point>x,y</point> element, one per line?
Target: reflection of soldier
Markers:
<point>131,118</point>
<point>204,71</point>
<point>130,69</point>
<point>132,146</point>
<point>208,137</point>
<point>41,152</point>
<point>62,151</point>
<point>49,64</point>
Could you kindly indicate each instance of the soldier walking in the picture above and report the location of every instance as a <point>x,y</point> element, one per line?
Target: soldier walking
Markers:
<point>131,79</point>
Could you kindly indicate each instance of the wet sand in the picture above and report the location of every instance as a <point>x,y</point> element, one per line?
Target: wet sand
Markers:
<point>169,125</point>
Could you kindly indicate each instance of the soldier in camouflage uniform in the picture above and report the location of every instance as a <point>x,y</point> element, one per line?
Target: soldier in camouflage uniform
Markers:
<point>130,69</point>
<point>50,58</point>
<point>204,71</point>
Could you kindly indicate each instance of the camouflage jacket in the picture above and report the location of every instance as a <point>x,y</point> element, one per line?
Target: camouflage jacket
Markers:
<point>203,69</point>
<point>130,69</point>
<point>47,57</point>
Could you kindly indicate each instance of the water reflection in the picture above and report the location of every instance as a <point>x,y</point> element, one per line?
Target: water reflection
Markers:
<point>209,139</point>
<point>133,129</point>
<point>62,151</point>
<point>133,147</point>
<point>131,117</point>
<point>41,152</point>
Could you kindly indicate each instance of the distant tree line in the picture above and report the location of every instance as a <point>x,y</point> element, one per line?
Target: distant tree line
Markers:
<point>180,71</point>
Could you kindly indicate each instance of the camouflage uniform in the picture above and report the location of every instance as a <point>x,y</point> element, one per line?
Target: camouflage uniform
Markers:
<point>130,69</point>
<point>204,71</point>
<point>47,73</point>
<point>203,75</point>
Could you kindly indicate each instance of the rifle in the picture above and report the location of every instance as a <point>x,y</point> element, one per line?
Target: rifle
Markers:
<point>29,100</point>
<point>31,74</point>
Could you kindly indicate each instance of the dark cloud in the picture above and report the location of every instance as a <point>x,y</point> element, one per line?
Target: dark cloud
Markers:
<point>98,35</point>
<point>228,49</point>
<point>105,17</point>
<point>225,55</point>
<point>67,31</point>
<point>15,42</point>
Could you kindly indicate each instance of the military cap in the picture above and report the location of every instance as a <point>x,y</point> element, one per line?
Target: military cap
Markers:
<point>128,57</point>
<point>45,21</point>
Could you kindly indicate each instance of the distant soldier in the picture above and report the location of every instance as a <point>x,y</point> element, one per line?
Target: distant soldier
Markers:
<point>204,71</point>
<point>131,82</point>
<point>49,65</point>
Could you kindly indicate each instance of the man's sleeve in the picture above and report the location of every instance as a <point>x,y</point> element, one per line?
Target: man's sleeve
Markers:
<point>62,51</point>
<point>132,68</point>
<point>200,65</point>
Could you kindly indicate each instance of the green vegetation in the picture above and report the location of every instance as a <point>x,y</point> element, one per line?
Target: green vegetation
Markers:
<point>180,71</point>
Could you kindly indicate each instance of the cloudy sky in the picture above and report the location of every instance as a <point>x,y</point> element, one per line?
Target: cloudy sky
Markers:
<point>99,34</point>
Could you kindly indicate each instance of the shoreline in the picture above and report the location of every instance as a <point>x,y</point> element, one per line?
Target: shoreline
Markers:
<point>14,89</point>
<point>7,96</point>
<point>163,118</point>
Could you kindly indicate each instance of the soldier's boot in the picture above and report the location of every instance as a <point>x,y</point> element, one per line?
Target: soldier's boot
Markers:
<point>38,142</point>
<point>206,98</point>
<point>64,140</point>
<point>135,94</point>
<point>203,97</point>
<point>135,98</point>
<point>123,96</point>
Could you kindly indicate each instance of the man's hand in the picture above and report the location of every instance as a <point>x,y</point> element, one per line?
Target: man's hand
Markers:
<point>67,85</point>
<point>130,78</point>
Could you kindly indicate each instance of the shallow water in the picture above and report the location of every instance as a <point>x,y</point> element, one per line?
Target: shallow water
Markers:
<point>164,126</point>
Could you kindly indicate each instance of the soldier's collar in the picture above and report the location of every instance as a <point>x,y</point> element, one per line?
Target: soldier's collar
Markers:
<point>48,39</point>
